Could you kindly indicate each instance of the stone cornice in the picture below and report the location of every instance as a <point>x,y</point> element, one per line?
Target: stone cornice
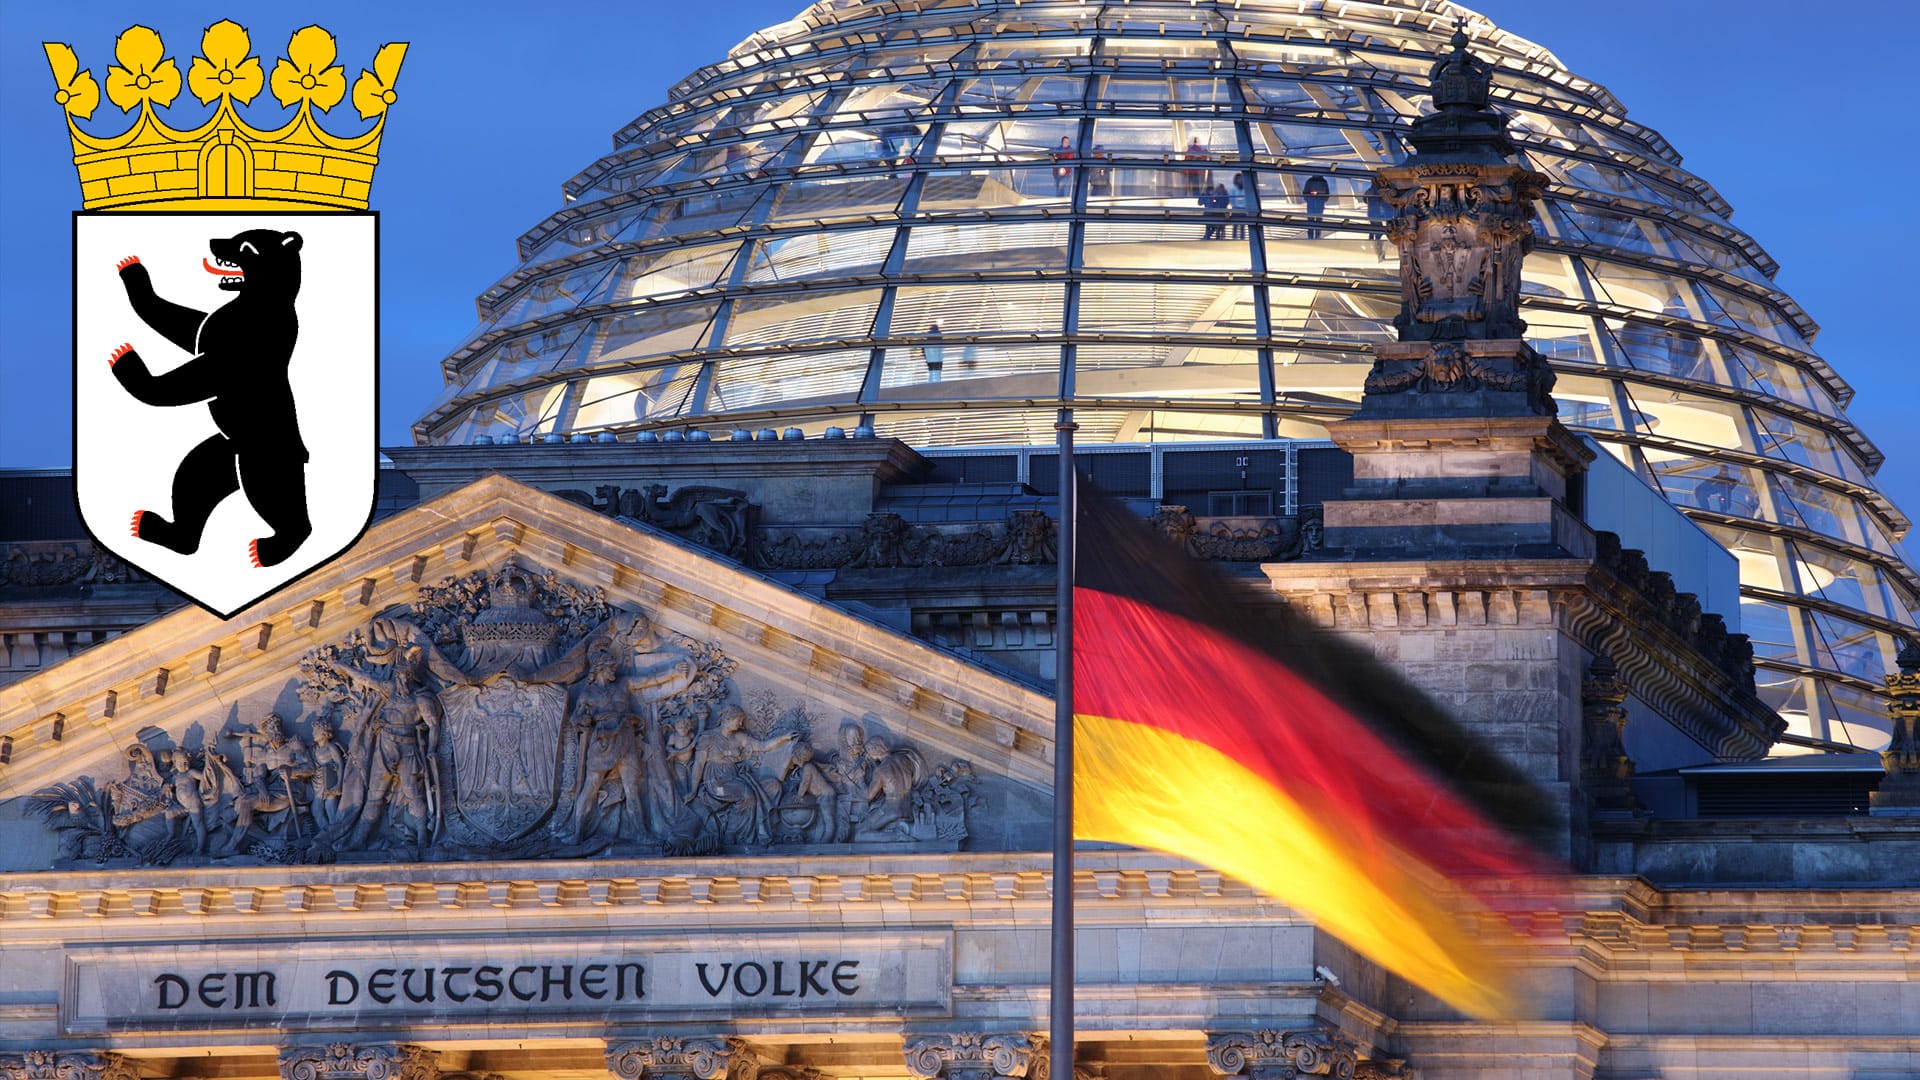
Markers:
<point>1610,921</point>
<point>1579,597</point>
<point>191,665</point>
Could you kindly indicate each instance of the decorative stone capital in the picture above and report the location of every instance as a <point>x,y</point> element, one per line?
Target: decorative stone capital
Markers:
<point>683,1058</point>
<point>359,1061</point>
<point>1280,1055</point>
<point>52,1065</point>
<point>972,1055</point>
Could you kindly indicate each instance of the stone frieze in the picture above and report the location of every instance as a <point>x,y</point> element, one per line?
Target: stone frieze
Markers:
<point>511,714</point>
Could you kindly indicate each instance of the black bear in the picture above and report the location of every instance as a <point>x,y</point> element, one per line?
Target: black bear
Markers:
<point>239,368</point>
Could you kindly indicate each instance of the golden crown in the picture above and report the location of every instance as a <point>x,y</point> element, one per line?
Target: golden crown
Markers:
<point>225,163</point>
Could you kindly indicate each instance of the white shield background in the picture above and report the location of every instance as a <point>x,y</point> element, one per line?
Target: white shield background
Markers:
<point>125,452</point>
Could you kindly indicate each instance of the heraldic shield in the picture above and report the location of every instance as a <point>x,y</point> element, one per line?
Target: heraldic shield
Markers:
<point>226,326</point>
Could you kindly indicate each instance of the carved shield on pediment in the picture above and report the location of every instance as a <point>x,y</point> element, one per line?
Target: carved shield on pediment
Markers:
<point>503,740</point>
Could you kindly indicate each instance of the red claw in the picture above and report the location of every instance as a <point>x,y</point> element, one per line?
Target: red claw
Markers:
<point>137,515</point>
<point>131,260</point>
<point>118,353</point>
<point>253,551</point>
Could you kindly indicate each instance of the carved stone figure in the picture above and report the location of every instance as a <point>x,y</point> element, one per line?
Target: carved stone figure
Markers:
<point>329,773</point>
<point>849,773</point>
<point>395,738</point>
<point>730,799</point>
<point>611,710</point>
<point>276,771</point>
<point>191,793</point>
<point>882,540</point>
<point>713,517</point>
<point>807,809</point>
<point>1032,537</point>
<point>885,806</point>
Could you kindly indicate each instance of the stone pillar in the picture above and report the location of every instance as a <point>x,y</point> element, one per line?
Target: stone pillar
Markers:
<point>1899,792</point>
<point>1270,1054</point>
<point>1456,447</point>
<point>673,1058</point>
<point>972,1055</point>
<point>66,1065</point>
<point>359,1061</point>
<point>1605,768</point>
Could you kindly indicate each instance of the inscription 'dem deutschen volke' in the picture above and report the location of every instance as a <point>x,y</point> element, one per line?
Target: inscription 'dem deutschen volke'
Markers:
<point>458,984</point>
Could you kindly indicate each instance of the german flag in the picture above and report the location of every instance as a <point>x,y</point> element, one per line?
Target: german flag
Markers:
<point>1301,764</point>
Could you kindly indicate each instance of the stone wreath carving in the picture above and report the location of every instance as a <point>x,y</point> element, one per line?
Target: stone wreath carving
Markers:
<point>1279,539</point>
<point>515,715</point>
<point>713,517</point>
<point>888,541</point>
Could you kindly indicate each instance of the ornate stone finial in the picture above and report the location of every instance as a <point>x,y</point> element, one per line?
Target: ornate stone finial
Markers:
<point>350,1061</point>
<point>54,1065</point>
<point>972,1055</point>
<point>1605,768</point>
<point>1463,226</point>
<point>1899,791</point>
<point>1270,1054</point>
<point>682,1058</point>
<point>1460,80</point>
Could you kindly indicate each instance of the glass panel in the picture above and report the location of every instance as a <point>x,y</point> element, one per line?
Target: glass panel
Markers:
<point>1167,246</point>
<point>1313,375</point>
<point>627,396</point>
<point>648,332</point>
<point>531,413</point>
<point>557,293</point>
<point>837,198</point>
<point>703,212</point>
<point>965,310</point>
<point>1177,372</point>
<point>937,368</point>
<point>750,382</point>
<point>1858,718</point>
<point>1769,625</point>
<point>1713,486</point>
<point>662,273</point>
<point>1345,314</point>
<point>841,253</point>
<point>996,246</point>
<point>1136,307</point>
<point>813,316</point>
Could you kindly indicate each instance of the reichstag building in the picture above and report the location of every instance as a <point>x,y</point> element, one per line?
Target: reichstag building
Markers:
<point>687,710</point>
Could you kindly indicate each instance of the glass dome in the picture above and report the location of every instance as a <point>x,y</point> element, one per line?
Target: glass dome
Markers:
<point>948,217</point>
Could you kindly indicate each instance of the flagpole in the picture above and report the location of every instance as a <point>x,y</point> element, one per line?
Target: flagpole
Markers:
<point>1060,1026</point>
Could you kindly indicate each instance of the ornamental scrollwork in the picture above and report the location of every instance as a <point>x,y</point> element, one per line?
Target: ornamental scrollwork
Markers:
<point>60,1065</point>
<point>1271,1054</point>
<point>973,1055</point>
<point>350,1061</point>
<point>510,714</point>
<point>696,1058</point>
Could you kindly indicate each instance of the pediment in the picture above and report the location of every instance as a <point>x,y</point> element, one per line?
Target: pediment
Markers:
<point>501,673</point>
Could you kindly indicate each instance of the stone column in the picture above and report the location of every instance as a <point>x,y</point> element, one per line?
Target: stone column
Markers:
<point>675,1058</point>
<point>972,1055</point>
<point>1899,793</point>
<point>66,1065</point>
<point>1280,1055</point>
<point>359,1061</point>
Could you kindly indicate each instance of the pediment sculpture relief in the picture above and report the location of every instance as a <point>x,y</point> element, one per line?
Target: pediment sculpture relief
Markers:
<point>514,715</point>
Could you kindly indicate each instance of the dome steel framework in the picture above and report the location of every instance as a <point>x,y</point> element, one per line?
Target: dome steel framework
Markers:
<point>946,218</point>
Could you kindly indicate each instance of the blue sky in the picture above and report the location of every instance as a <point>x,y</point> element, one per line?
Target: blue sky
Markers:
<point>1803,124</point>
